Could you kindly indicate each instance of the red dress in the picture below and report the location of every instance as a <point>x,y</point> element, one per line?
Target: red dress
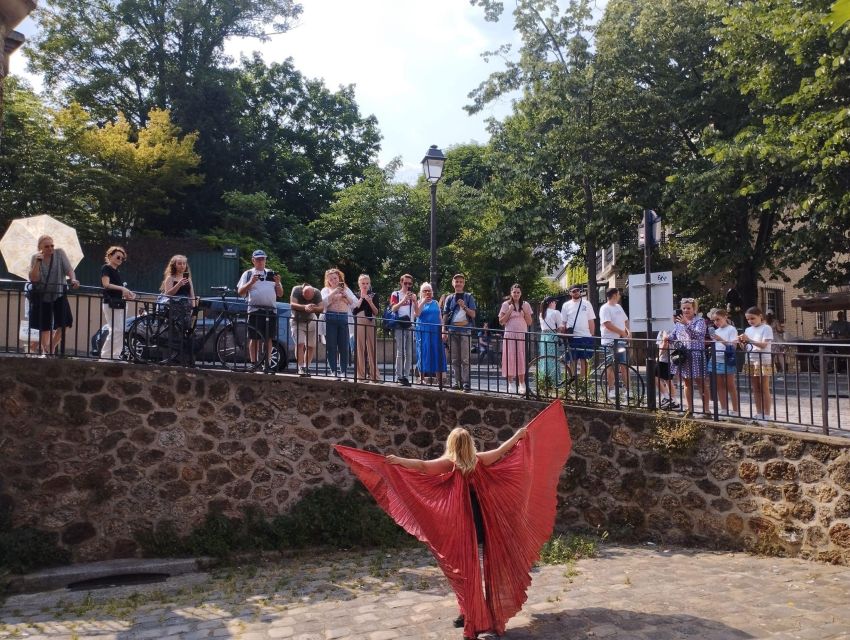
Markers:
<point>518,496</point>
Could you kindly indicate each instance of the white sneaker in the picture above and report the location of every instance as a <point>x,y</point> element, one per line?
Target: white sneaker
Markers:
<point>733,414</point>
<point>612,393</point>
<point>511,387</point>
<point>522,388</point>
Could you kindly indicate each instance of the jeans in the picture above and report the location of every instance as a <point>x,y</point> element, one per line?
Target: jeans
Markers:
<point>403,352</point>
<point>336,337</point>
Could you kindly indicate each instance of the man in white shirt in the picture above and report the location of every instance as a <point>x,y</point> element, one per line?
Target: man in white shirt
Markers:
<point>615,334</point>
<point>262,288</point>
<point>580,322</point>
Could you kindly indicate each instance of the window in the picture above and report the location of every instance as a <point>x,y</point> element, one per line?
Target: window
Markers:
<point>773,300</point>
<point>820,322</point>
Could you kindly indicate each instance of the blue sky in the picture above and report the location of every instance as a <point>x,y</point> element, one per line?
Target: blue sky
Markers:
<point>412,63</point>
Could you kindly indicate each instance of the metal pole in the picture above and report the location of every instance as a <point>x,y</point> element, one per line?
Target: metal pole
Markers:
<point>648,232</point>
<point>433,270</point>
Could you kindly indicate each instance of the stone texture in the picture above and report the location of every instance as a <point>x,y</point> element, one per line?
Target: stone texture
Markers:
<point>128,449</point>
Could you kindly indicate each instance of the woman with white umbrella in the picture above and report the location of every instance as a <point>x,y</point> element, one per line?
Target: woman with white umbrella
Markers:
<point>50,311</point>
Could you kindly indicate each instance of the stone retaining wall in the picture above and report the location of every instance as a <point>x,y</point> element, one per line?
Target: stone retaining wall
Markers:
<point>96,451</point>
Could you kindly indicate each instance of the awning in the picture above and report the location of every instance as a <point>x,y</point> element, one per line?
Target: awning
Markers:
<point>837,301</point>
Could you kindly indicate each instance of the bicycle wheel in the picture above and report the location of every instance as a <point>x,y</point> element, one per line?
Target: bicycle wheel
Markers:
<point>547,377</point>
<point>232,347</point>
<point>632,390</point>
<point>154,339</point>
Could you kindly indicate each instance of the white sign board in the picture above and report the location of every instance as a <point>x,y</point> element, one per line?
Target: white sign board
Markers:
<point>662,302</point>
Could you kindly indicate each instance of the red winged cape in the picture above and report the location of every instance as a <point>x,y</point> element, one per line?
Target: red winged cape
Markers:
<point>518,496</point>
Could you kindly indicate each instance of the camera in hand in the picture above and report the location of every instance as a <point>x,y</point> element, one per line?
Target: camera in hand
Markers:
<point>270,275</point>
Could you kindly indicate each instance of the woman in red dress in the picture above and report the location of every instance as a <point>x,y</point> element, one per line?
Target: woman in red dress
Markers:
<point>503,499</point>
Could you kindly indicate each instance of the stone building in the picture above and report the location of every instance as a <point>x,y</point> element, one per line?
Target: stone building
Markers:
<point>12,13</point>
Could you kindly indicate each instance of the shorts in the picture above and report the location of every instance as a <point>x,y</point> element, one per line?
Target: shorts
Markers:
<point>264,321</point>
<point>662,371</point>
<point>579,348</point>
<point>619,349</point>
<point>758,370</point>
<point>721,368</point>
<point>304,332</point>
<point>45,316</point>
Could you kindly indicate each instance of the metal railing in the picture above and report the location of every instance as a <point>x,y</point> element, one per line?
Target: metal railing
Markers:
<point>801,386</point>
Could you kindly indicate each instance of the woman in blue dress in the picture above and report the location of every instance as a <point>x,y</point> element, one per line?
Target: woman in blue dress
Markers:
<point>430,352</point>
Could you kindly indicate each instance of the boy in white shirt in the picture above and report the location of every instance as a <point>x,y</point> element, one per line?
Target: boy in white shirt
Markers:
<point>615,334</point>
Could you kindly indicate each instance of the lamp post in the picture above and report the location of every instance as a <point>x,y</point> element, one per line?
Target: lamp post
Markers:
<point>432,167</point>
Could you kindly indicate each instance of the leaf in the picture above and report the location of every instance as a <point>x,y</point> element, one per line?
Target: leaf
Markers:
<point>839,15</point>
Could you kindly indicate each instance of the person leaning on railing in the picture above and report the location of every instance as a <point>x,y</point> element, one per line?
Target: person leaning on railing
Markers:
<point>49,310</point>
<point>306,304</point>
<point>115,296</point>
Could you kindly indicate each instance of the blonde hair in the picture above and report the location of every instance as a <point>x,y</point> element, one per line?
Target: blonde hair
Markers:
<point>460,449</point>
<point>113,249</point>
<point>337,272</point>
<point>171,270</point>
<point>42,239</point>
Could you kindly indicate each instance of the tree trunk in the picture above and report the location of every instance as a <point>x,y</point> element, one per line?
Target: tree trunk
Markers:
<point>590,246</point>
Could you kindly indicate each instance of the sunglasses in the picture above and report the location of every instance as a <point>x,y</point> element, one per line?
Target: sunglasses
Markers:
<point>120,256</point>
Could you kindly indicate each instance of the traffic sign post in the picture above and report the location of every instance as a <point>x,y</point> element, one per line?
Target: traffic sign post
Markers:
<point>649,234</point>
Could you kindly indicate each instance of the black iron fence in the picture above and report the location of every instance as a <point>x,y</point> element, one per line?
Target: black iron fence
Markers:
<point>795,385</point>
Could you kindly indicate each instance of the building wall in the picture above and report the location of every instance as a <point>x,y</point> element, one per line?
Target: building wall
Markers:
<point>96,452</point>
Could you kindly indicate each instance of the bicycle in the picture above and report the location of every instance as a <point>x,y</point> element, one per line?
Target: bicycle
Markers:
<point>551,376</point>
<point>166,332</point>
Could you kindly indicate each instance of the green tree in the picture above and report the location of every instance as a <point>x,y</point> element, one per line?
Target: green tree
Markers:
<point>126,56</point>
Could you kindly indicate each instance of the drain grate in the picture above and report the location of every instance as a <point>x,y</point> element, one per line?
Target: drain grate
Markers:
<point>117,580</point>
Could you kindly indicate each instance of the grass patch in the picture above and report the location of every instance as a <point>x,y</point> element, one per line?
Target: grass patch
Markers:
<point>565,549</point>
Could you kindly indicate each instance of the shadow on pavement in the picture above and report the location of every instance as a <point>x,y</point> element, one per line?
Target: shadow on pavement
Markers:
<point>596,622</point>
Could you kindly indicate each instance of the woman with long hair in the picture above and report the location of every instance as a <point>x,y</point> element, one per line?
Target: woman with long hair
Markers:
<point>503,499</point>
<point>339,301</point>
<point>176,280</point>
<point>515,317</point>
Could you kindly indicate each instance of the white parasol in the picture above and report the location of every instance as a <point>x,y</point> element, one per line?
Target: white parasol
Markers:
<point>20,242</point>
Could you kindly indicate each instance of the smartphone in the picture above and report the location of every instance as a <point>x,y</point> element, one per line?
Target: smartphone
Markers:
<point>186,274</point>
<point>340,286</point>
<point>459,296</point>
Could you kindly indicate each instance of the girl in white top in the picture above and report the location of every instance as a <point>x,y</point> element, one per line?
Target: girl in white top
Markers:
<point>756,340</point>
<point>549,372</point>
<point>724,367</point>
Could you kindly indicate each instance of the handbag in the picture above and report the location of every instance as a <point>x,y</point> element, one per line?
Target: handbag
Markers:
<point>38,289</point>
<point>679,355</point>
<point>566,339</point>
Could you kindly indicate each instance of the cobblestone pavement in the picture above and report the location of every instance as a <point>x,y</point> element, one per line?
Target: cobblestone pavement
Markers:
<point>645,592</point>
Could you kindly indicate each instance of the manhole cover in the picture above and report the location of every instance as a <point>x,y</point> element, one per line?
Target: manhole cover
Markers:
<point>118,580</point>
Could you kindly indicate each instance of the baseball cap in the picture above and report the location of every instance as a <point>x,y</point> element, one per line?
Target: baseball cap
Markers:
<point>575,287</point>
<point>259,253</point>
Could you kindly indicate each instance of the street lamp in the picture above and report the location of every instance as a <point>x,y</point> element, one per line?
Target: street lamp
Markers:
<point>432,167</point>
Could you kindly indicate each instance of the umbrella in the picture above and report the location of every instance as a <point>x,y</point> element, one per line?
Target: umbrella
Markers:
<point>20,242</point>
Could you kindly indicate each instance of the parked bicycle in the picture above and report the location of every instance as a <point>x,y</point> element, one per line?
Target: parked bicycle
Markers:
<point>166,333</point>
<point>556,376</point>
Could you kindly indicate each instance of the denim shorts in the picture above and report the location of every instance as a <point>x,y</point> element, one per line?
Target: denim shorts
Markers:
<point>619,349</point>
<point>721,368</point>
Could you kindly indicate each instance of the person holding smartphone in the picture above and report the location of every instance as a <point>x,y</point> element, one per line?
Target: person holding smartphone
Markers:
<point>406,306</point>
<point>459,312</point>
<point>339,301</point>
<point>262,288</point>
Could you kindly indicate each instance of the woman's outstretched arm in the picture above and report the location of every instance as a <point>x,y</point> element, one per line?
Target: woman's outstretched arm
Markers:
<point>489,457</point>
<point>429,467</point>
